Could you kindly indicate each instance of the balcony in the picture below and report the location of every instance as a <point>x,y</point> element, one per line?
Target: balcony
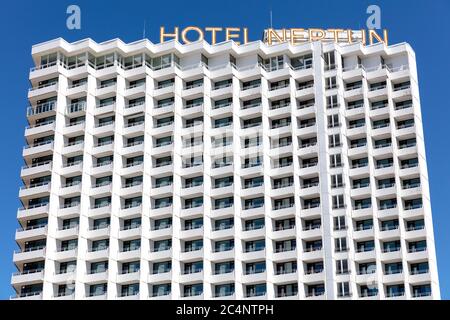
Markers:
<point>189,276</point>
<point>26,277</point>
<point>31,233</point>
<point>33,211</point>
<point>66,253</point>
<point>35,149</point>
<point>106,89</point>
<point>130,210</point>
<point>28,296</point>
<point>34,189</point>
<point>40,128</point>
<point>45,89</point>
<point>103,108</point>
<point>97,254</point>
<point>285,277</point>
<point>160,277</point>
<point>160,255</point>
<point>39,110</point>
<point>28,255</point>
<point>96,233</point>
<point>254,276</point>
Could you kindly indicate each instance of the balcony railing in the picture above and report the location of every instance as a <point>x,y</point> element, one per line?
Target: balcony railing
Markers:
<point>41,108</point>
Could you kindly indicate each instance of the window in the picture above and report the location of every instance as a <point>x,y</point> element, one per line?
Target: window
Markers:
<point>193,290</point>
<point>250,123</point>
<point>223,122</point>
<point>271,64</point>
<point>223,182</point>
<point>255,267</point>
<point>340,244</point>
<point>99,245</point>
<point>343,289</point>
<point>332,102</point>
<point>338,201</point>
<point>251,84</point>
<point>223,203</point>
<point>101,223</point>
<point>224,245</point>
<point>97,289</point>
<point>336,181</point>
<point>255,290</point>
<point>330,83</point>
<point>194,84</point>
<point>161,224</point>
<point>286,267</point>
<point>222,84</point>
<point>129,289</point>
<point>253,182</point>
<point>283,203</point>
<point>193,122</point>
<point>224,267</point>
<point>193,267</point>
<point>193,245</point>
<point>333,121</point>
<point>284,224</point>
<point>162,245</point>
<point>286,245</point>
<point>329,60</point>
<point>98,267</point>
<point>131,245</point>
<point>193,203</point>
<point>165,83</point>
<point>335,160</point>
<point>302,62</point>
<point>224,290</point>
<point>339,223</point>
<point>161,289</point>
<point>223,224</point>
<point>256,245</point>
<point>161,267</point>
<point>253,203</point>
<point>334,141</point>
<point>361,225</point>
<point>193,182</point>
<point>287,290</point>
<point>222,103</point>
<point>254,224</point>
<point>342,266</point>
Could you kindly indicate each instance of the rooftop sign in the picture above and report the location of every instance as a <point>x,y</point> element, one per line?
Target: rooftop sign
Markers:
<point>271,36</point>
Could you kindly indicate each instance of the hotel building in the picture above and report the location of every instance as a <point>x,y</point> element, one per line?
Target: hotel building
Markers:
<point>169,171</point>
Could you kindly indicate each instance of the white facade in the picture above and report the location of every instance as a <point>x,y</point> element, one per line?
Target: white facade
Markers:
<point>310,181</point>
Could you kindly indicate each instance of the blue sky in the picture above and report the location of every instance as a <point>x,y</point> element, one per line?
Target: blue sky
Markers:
<point>23,23</point>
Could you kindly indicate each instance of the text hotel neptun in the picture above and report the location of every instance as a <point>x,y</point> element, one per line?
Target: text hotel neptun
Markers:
<point>294,36</point>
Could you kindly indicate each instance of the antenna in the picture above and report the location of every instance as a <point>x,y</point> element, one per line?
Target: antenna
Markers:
<point>271,27</point>
<point>143,33</point>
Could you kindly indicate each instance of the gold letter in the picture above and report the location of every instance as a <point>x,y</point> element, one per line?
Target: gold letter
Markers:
<point>245,35</point>
<point>230,36</point>
<point>336,33</point>
<point>213,33</point>
<point>386,38</point>
<point>373,34</point>
<point>271,32</point>
<point>350,36</point>
<point>295,36</point>
<point>317,37</point>
<point>201,36</point>
<point>163,35</point>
